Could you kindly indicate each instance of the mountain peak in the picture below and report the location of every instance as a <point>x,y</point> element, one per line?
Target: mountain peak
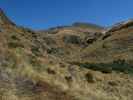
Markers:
<point>1,11</point>
<point>2,14</point>
<point>4,20</point>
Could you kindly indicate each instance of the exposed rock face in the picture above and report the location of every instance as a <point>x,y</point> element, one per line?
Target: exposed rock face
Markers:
<point>77,62</point>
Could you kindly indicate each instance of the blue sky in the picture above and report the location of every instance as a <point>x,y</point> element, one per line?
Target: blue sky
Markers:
<point>42,14</point>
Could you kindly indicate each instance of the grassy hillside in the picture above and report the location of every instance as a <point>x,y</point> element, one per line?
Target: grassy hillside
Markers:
<point>78,62</point>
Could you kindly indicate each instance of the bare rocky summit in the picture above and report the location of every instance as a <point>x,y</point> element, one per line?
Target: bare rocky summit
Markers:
<point>77,62</point>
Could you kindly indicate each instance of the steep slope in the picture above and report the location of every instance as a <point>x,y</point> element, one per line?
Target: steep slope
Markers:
<point>18,79</point>
<point>116,44</point>
<point>65,63</point>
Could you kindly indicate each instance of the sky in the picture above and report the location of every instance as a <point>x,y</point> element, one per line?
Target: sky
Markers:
<point>43,14</point>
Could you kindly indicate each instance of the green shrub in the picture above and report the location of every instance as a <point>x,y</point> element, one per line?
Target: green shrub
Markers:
<point>89,77</point>
<point>36,50</point>
<point>15,44</point>
<point>56,51</point>
<point>49,41</point>
<point>72,39</point>
<point>14,37</point>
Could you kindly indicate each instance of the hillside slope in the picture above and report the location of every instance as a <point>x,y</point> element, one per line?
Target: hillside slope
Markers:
<point>65,63</point>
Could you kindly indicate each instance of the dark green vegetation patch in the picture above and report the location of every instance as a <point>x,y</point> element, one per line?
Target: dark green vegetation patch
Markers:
<point>117,65</point>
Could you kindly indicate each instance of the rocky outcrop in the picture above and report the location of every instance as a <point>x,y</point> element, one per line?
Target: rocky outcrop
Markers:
<point>122,25</point>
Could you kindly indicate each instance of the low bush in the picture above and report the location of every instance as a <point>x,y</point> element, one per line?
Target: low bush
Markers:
<point>15,44</point>
<point>72,39</point>
<point>89,77</point>
<point>49,41</point>
<point>14,37</point>
<point>36,50</point>
<point>56,51</point>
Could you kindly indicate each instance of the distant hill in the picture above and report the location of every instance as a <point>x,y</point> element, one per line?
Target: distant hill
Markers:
<point>87,25</point>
